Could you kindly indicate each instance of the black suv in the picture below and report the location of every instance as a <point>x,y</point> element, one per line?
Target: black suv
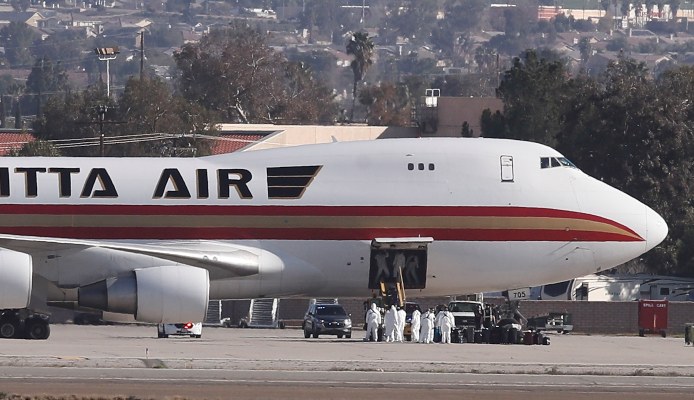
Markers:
<point>327,319</point>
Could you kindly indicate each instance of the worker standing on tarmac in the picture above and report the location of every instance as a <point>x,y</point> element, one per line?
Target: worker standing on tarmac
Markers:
<point>414,325</point>
<point>445,322</point>
<point>432,318</point>
<point>389,321</point>
<point>402,316</point>
<point>427,330</point>
<point>373,320</point>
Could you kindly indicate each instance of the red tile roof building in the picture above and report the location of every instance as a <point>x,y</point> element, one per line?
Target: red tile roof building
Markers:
<point>229,143</point>
<point>13,141</point>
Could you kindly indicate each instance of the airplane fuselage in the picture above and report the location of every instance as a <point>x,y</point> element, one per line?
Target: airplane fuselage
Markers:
<point>500,213</point>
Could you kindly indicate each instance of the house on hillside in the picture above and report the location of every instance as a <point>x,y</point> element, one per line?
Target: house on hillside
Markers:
<point>30,18</point>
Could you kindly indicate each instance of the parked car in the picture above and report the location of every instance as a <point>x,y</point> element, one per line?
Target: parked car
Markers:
<point>327,319</point>
<point>192,329</point>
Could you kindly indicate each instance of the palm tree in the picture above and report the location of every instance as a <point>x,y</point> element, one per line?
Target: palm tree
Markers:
<point>361,47</point>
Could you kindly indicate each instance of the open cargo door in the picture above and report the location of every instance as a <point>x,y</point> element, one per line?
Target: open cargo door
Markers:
<point>399,260</point>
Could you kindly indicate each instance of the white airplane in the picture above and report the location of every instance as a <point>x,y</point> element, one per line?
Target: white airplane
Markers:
<point>158,237</point>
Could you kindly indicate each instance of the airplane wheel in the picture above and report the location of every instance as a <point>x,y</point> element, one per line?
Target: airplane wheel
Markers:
<point>8,328</point>
<point>38,329</point>
<point>315,334</point>
<point>339,336</point>
<point>348,336</point>
<point>307,334</point>
<point>198,336</point>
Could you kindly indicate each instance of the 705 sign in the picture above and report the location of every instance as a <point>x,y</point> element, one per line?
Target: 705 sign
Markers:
<point>519,294</point>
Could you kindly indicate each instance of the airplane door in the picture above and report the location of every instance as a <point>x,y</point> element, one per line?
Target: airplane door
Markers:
<point>506,168</point>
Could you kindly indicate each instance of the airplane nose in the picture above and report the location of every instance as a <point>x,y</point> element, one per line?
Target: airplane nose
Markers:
<point>656,228</point>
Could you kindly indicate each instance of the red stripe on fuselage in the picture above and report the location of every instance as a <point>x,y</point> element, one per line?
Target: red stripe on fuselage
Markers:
<point>485,235</point>
<point>212,233</point>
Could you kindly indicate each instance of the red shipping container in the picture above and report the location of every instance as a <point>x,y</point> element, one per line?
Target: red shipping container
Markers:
<point>653,316</point>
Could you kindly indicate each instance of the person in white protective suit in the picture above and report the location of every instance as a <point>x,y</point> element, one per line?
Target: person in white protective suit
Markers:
<point>414,324</point>
<point>445,322</point>
<point>432,318</point>
<point>373,320</point>
<point>427,330</point>
<point>389,321</point>
<point>402,316</point>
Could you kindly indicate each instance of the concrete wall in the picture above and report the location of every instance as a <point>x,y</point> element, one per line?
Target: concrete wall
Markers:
<point>588,316</point>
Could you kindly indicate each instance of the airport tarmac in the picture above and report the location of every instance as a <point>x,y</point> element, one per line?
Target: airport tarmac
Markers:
<point>110,361</point>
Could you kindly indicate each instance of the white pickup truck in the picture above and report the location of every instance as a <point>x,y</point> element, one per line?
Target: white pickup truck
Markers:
<point>466,313</point>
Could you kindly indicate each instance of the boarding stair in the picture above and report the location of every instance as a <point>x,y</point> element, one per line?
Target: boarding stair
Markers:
<point>214,312</point>
<point>263,313</point>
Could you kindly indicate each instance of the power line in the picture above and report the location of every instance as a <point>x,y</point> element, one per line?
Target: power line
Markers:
<point>121,139</point>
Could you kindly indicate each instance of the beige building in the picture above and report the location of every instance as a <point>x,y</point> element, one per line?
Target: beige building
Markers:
<point>264,136</point>
<point>434,116</point>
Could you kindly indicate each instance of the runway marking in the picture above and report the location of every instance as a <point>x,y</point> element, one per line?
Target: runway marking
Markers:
<point>604,385</point>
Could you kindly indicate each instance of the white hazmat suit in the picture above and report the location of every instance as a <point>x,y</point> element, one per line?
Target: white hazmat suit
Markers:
<point>445,321</point>
<point>427,329</point>
<point>432,317</point>
<point>415,324</point>
<point>402,316</point>
<point>389,321</point>
<point>373,320</point>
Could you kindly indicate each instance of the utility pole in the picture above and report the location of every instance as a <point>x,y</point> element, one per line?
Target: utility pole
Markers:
<point>363,5</point>
<point>101,110</point>
<point>142,56</point>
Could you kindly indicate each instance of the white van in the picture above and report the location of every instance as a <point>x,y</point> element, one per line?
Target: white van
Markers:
<point>192,329</point>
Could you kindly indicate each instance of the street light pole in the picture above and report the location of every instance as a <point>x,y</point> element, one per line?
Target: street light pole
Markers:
<point>107,54</point>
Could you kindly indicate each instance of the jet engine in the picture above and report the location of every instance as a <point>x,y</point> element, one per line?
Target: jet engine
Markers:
<point>166,294</point>
<point>15,279</point>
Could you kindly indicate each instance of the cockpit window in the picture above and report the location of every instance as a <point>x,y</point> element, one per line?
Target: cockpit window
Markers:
<point>565,162</point>
<point>553,162</point>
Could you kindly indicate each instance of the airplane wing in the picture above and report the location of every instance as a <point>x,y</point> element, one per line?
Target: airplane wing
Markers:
<point>229,262</point>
